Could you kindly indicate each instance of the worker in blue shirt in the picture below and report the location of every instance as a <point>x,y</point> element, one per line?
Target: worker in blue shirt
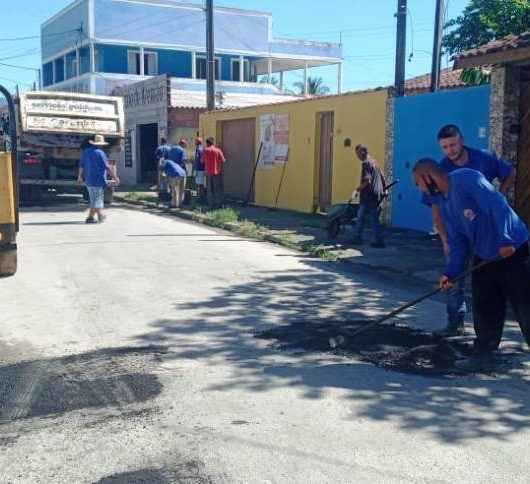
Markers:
<point>458,155</point>
<point>179,153</point>
<point>175,176</point>
<point>479,222</point>
<point>162,151</point>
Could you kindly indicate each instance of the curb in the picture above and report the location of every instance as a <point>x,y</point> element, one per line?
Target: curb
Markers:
<point>388,272</point>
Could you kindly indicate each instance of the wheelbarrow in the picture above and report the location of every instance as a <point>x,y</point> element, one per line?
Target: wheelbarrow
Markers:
<point>346,213</point>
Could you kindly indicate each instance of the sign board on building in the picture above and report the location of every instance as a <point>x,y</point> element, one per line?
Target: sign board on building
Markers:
<point>274,134</point>
<point>151,92</point>
<point>56,112</point>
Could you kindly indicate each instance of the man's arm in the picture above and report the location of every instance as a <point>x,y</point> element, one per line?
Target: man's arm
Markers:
<point>110,169</point>
<point>459,252</point>
<point>495,206</point>
<point>505,174</point>
<point>440,227</point>
<point>81,175</point>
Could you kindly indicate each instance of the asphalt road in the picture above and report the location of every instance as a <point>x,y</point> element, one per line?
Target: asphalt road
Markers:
<point>127,354</point>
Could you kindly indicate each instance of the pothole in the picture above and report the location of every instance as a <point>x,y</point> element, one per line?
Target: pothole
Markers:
<point>395,347</point>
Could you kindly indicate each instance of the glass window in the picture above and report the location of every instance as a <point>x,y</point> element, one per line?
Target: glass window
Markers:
<point>150,63</point>
<point>200,66</point>
<point>235,70</point>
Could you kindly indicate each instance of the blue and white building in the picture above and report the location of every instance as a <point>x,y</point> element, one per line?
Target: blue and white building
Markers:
<point>94,46</point>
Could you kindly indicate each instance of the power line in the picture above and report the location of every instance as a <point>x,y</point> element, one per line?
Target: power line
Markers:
<point>19,67</point>
<point>6,79</point>
<point>31,37</point>
<point>25,54</point>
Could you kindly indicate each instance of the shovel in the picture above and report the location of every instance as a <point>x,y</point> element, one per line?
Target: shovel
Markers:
<point>334,342</point>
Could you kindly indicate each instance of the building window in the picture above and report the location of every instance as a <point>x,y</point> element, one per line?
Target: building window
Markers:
<point>59,70</point>
<point>200,67</point>
<point>84,60</point>
<point>71,65</point>
<point>150,63</point>
<point>235,70</point>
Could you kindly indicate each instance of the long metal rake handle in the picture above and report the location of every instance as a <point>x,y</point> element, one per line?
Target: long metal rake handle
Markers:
<point>418,300</point>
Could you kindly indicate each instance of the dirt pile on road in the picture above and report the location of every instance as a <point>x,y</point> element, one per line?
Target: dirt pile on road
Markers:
<point>395,347</point>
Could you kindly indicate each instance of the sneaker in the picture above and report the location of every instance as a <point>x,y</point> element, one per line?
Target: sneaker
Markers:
<point>378,245</point>
<point>91,220</point>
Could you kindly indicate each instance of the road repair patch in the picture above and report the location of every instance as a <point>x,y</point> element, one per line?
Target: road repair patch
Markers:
<point>394,347</point>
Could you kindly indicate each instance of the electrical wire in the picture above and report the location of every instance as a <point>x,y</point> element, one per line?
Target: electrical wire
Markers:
<point>19,67</point>
<point>27,53</point>
<point>32,37</point>
<point>6,79</point>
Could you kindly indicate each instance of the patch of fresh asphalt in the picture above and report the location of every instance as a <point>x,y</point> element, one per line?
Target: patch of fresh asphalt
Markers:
<point>133,359</point>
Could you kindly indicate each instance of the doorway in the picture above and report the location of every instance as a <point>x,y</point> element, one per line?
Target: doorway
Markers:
<point>325,164</point>
<point>238,141</point>
<point>148,134</point>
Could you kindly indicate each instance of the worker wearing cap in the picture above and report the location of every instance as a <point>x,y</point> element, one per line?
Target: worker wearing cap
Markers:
<point>214,160</point>
<point>480,223</point>
<point>175,175</point>
<point>179,154</point>
<point>93,171</point>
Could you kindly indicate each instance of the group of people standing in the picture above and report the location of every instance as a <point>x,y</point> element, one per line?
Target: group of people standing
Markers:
<point>207,170</point>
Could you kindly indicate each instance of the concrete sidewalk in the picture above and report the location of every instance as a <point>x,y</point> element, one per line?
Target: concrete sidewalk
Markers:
<point>409,254</point>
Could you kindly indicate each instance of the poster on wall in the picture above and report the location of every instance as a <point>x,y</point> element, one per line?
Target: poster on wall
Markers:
<point>274,134</point>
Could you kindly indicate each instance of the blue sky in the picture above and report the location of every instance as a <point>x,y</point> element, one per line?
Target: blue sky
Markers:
<point>368,35</point>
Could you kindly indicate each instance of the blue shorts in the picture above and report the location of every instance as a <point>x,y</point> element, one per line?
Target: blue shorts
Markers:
<point>96,196</point>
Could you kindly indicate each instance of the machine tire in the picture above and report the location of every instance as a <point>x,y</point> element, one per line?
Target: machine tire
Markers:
<point>333,229</point>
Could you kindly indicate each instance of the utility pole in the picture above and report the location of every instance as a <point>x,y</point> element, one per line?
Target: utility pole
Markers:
<point>437,45</point>
<point>210,58</point>
<point>401,47</point>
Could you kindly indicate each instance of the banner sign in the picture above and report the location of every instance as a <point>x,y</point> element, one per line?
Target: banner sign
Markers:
<point>274,134</point>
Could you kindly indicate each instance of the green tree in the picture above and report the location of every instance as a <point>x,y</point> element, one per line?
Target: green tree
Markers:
<point>485,20</point>
<point>315,86</point>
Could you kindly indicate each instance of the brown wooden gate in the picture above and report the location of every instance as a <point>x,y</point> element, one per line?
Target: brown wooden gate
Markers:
<point>522,188</point>
<point>325,172</point>
<point>238,143</point>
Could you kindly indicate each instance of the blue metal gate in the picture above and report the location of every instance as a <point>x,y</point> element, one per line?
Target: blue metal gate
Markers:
<point>417,121</point>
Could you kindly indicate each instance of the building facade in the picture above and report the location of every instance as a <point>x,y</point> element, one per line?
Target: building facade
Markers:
<point>94,46</point>
<point>302,151</point>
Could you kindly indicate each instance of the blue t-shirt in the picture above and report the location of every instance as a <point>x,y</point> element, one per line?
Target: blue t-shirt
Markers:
<point>95,167</point>
<point>487,163</point>
<point>178,155</point>
<point>162,152</point>
<point>199,162</point>
<point>173,169</point>
<point>478,220</point>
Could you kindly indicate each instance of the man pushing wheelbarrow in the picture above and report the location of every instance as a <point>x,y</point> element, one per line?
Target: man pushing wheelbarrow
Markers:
<point>371,192</point>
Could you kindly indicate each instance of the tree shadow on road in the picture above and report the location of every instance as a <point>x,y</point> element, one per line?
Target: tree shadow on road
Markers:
<point>223,327</point>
